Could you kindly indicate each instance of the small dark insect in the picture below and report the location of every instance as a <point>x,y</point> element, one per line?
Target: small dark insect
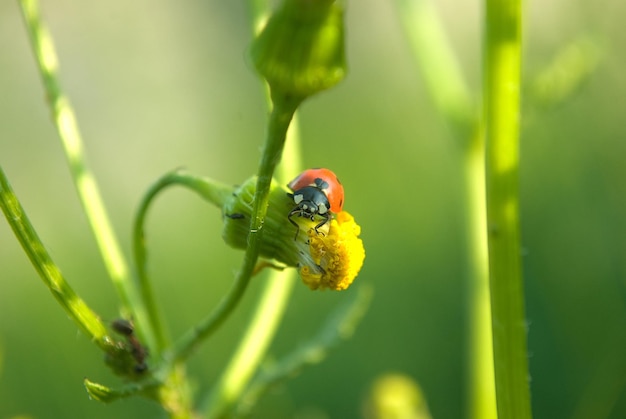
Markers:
<point>140,353</point>
<point>235,216</point>
<point>123,327</point>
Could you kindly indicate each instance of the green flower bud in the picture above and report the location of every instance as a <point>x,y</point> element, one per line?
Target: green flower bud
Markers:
<point>301,49</point>
<point>278,236</point>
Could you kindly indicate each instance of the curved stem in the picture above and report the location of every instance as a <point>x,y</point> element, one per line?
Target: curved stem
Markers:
<point>213,192</point>
<point>266,316</point>
<point>77,309</point>
<point>284,109</point>
<point>277,288</point>
<point>502,78</point>
<point>173,393</point>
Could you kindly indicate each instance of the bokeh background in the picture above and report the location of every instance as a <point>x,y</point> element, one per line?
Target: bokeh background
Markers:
<point>160,84</point>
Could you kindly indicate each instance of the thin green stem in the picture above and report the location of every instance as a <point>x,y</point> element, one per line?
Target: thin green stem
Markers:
<point>77,309</point>
<point>481,386</point>
<point>266,316</point>
<point>450,94</point>
<point>210,190</point>
<point>277,288</point>
<point>257,337</point>
<point>502,79</point>
<point>280,119</point>
<point>440,68</point>
<point>339,326</point>
<point>86,186</point>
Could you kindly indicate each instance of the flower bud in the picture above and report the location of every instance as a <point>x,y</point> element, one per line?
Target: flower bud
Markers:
<point>301,49</point>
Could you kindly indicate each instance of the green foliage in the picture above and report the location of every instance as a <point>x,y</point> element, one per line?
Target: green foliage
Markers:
<point>164,379</point>
<point>155,88</point>
<point>566,73</point>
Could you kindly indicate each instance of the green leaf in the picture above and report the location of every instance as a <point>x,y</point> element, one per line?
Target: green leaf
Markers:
<point>106,394</point>
<point>568,71</point>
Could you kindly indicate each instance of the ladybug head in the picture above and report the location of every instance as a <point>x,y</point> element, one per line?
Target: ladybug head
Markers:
<point>310,201</point>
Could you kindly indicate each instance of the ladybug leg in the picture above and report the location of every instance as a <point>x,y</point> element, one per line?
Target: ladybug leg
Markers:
<point>324,221</point>
<point>291,214</point>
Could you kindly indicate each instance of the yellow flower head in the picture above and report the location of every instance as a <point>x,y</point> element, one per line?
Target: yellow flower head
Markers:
<point>335,258</point>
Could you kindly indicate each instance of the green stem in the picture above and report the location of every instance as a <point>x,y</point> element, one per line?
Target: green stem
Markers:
<point>266,316</point>
<point>213,192</point>
<point>86,186</point>
<point>481,386</point>
<point>502,78</point>
<point>174,394</point>
<point>258,12</point>
<point>284,109</point>
<point>276,291</point>
<point>265,320</point>
<point>440,68</point>
<point>77,309</point>
<point>277,288</point>
<point>450,94</point>
<point>339,326</point>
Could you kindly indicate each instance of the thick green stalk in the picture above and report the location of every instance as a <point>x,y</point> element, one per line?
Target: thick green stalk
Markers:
<point>502,79</point>
<point>77,309</point>
<point>280,118</point>
<point>65,121</point>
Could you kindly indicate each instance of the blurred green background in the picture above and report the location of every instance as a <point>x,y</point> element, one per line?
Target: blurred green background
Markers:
<point>159,85</point>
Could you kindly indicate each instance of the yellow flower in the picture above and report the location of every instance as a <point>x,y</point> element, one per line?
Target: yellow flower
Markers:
<point>335,258</point>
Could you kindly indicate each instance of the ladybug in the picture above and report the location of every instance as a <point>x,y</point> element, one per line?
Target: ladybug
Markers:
<point>315,192</point>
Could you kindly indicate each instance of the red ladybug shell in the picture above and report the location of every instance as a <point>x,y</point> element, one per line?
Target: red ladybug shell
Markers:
<point>334,190</point>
